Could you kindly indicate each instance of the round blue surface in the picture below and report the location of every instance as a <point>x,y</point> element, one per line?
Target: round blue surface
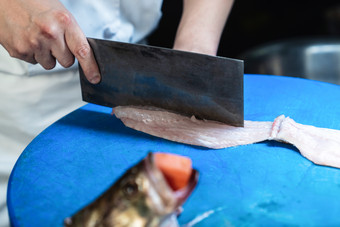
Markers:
<point>264,184</point>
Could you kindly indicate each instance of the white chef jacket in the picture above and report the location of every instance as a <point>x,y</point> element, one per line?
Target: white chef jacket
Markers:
<point>32,98</point>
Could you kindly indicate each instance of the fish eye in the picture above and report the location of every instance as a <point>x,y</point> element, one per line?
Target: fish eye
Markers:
<point>130,188</point>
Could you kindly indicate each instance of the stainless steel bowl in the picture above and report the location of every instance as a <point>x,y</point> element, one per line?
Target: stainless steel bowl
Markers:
<point>317,59</point>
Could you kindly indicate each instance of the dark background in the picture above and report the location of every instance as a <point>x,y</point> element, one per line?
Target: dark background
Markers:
<point>255,22</point>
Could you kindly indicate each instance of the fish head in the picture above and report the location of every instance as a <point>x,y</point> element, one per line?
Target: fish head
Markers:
<point>145,197</point>
<point>141,197</point>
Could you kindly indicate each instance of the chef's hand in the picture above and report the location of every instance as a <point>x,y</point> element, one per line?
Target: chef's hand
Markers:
<point>201,25</point>
<point>43,31</point>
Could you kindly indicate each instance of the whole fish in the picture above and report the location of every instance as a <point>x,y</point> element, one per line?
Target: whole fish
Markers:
<point>143,196</point>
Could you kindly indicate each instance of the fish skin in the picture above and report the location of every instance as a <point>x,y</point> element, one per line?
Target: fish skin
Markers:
<point>140,198</point>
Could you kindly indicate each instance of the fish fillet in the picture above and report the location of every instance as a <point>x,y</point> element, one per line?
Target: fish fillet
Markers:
<point>319,145</point>
<point>187,130</point>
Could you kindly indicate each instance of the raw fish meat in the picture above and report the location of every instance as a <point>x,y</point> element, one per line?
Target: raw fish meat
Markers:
<point>319,145</point>
<point>188,130</point>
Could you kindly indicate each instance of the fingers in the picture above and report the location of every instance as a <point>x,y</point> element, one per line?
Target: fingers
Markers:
<point>53,35</point>
<point>80,48</point>
<point>59,48</point>
<point>50,48</point>
<point>43,56</point>
<point>62,53</point>
<point>46,60</point>
<point>51,43</point>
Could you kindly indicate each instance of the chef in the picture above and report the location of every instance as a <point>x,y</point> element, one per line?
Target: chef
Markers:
<point>41,40</point>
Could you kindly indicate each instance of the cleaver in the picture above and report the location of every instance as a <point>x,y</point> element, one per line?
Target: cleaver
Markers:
<point>208,87</point>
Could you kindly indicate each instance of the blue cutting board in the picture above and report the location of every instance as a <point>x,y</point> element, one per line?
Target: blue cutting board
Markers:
<point>264,184</point>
